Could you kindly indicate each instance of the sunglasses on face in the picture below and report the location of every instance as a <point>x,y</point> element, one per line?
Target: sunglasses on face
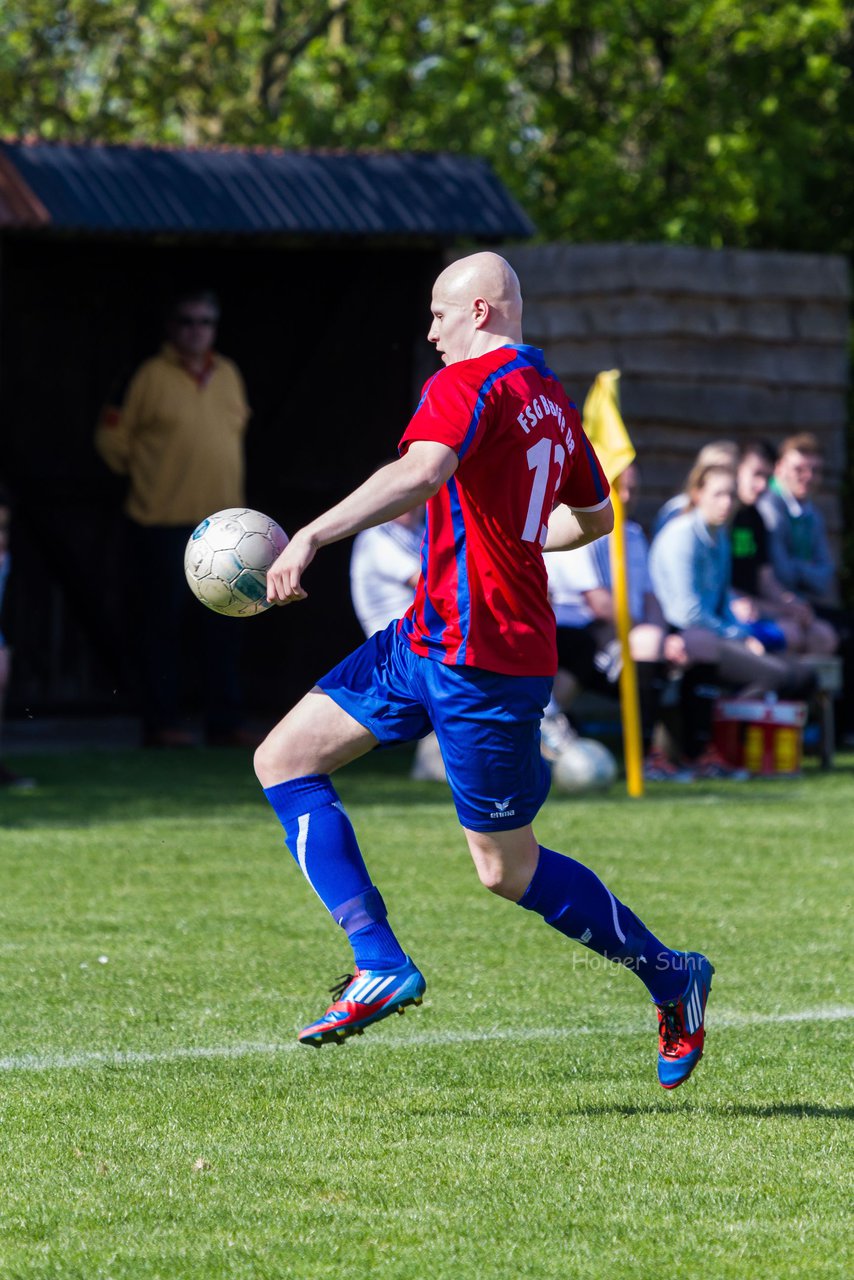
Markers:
<point>196,322</point>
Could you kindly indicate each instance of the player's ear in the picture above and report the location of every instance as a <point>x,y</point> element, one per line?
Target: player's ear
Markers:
<point>480,309</point>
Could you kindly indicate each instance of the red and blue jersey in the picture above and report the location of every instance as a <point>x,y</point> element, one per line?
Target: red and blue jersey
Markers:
<point>482,599</point>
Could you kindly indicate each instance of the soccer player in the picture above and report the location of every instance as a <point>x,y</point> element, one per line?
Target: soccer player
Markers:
<point>497,451</point>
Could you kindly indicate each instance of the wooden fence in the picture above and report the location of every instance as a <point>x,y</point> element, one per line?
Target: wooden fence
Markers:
<point>710,344</point>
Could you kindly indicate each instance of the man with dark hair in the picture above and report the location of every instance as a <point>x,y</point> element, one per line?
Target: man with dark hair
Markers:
<point>177,434</point>
<point>800,551</point>
<point>760,598</point>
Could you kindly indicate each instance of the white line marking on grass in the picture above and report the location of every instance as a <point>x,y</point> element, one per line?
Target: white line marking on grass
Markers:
<point>201,1053</point>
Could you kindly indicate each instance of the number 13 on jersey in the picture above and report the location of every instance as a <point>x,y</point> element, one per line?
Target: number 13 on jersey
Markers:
<point>542,456</point>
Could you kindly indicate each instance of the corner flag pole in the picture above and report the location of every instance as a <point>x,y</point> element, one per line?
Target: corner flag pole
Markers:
<point>629,700</point>
<point>607,433</point>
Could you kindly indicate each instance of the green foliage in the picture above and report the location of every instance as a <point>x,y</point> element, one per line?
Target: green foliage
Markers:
<point>696,121</point>
<point>160,949</point>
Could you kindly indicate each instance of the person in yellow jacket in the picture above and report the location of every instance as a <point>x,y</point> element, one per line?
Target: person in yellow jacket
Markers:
<point>178,435</point>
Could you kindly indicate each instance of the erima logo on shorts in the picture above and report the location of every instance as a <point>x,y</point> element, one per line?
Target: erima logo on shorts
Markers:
<point>502,809</point>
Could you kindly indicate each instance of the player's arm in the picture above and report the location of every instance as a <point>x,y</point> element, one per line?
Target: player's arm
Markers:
<point>582,511</point>
<point>395,488</point>
<point>568,528</point>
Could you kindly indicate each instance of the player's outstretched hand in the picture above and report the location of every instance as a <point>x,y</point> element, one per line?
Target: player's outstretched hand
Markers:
<point>283,576</point>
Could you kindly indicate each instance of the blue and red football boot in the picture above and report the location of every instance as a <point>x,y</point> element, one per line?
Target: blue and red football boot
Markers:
<point>680,1024</point>
<point>364,997</point>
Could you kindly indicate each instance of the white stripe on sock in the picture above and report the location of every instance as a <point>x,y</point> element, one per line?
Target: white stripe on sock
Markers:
<point>617,928</point>
<point>302,840</point>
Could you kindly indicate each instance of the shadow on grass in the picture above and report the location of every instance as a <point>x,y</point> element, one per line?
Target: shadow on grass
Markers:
<point>698,1107</point>
<point>87,788</point>
<point>789,1110</point>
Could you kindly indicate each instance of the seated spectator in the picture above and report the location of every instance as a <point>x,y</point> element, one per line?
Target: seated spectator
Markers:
<point>691,576</point>
<point>384,566</point>
<point>8,777</point>
<point>589,655</point>
<point>799,549</point>
<point>723,452</point>
<point>800,552</point>
<point>758,594</point>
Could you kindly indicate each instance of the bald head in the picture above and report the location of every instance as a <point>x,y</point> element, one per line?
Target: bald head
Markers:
<point>487,276</point>
<point>477,307</point>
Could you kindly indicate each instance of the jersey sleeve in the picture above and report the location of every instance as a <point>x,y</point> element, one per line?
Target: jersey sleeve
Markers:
<point>585,487</point>
<point>448,413</point>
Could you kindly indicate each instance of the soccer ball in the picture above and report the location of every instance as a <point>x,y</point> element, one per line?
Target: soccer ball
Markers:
<point>227,559</point>
<point>584,765</point>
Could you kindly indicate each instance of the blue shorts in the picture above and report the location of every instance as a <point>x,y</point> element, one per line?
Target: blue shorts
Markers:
<point>488,725</point>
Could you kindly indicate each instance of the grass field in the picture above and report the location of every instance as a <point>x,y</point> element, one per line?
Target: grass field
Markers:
<point>160,950</point>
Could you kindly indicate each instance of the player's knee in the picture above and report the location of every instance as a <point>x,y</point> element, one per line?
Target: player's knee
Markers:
<point>504,881</point>
<point>505,866</point>
<point>495,880</point>
<point>271,764</point>
<point>261,763</point>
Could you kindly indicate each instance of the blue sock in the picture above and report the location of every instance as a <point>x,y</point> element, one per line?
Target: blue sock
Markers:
<point>322,840</point>
<point>573,900</point>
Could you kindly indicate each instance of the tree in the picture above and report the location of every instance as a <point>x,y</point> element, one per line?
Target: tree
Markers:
<point>698,121</point>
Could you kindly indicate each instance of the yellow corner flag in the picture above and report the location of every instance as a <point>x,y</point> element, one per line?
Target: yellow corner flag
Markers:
<point>604,425</point>
<point>607,433</point>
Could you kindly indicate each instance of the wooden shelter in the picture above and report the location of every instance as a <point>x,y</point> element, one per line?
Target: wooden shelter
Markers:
<point>323,263</point>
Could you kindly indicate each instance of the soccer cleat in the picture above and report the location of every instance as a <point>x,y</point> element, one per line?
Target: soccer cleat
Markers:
<point>680,1024</point>
<point>363,997</point>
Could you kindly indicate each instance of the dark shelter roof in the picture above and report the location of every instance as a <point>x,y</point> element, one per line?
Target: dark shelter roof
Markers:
<point>231,191</point>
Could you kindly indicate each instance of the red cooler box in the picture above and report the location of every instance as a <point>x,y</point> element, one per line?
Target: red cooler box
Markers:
<point>764,737</point>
